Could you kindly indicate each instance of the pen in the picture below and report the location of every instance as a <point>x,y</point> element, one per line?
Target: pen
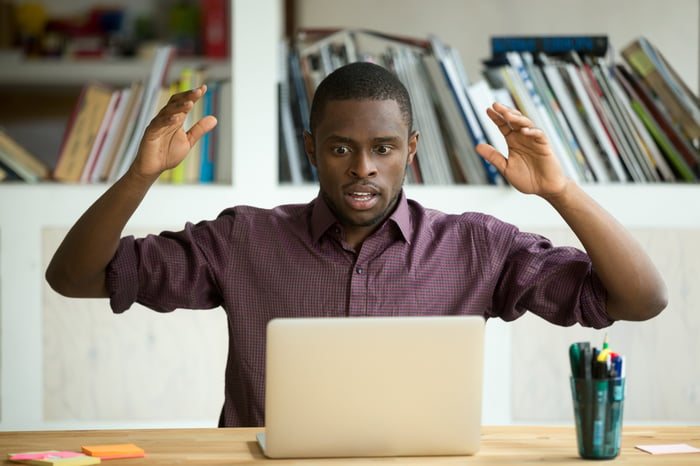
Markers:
<point>575,359</point>
<point>617,395</point>
<point>600,415</point>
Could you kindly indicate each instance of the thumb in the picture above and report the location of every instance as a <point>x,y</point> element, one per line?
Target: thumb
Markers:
<point>201,128</point>
<point>490,154</point>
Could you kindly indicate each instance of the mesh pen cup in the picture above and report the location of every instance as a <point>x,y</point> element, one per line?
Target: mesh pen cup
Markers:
<point>598,405</point>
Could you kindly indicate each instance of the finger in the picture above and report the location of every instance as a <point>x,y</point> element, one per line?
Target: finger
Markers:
<point>201,128</point>
<point>502,108</point>
<point>535,136</point>
<point>498,119</point>
<point>183,101</point>
<point>490,154</point>
<point>512,117</point>
<point>169,118</point>
<point>192,95</point>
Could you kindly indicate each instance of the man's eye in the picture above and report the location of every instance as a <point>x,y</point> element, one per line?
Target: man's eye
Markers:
<point>383,150</point>
<point>340,150</point>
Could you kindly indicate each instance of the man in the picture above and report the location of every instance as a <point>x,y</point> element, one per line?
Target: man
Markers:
<point>360,247</point>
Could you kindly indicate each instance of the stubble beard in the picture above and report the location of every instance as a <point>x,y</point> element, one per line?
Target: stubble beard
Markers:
<point>345,220</point>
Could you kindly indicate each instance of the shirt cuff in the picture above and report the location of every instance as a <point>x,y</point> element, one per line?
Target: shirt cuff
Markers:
<point>122,276</point>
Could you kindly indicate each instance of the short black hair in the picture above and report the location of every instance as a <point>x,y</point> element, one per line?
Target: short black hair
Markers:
<point>361,81</point>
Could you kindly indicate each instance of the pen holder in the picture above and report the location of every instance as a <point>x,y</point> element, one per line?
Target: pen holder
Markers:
<point>598,407</point>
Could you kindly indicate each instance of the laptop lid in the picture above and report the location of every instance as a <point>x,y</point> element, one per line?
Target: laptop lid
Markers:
<point>373,386</point>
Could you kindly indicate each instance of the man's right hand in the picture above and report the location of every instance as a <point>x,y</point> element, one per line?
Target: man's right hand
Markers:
<point>166,142</point>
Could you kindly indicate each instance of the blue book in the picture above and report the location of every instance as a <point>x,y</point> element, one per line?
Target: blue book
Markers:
<point>206,161</point>
<point>552,45</point>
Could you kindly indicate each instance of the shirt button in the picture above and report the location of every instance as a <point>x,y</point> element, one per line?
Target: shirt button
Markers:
<point>359,270</point>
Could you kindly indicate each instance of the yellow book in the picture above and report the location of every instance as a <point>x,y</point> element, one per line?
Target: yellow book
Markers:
<point>177,174</point>
<point>166,93</point>
<point>21,156</point>
<point>82,131</point>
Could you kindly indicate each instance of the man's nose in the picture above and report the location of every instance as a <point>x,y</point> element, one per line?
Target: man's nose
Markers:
<point>362,165</point>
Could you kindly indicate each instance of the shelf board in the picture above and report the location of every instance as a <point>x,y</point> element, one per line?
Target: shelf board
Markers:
<point>665,206</point>
<point>67,72</point>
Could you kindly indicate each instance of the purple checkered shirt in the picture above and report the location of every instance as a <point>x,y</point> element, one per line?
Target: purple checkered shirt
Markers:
<point>292,261</point>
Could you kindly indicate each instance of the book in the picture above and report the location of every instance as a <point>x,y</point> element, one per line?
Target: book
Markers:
<point>121,132</point>
<point>587,101</point>
<point>533,106</point>
<point>291,151</point>
<point>602,125</point>
<point>102,132</point>
<point>152,89</point>
<point>20,161</point>
<point>560,121</point>
<point>559,82</point>
<point>436,165</point>
<point>224,159</point>
<point>208,141</point>
<point>639,160</point>
<point>549,44</point>
<point>187,171</point>
<point>458,81</point>
<point>646,142</point>
<point>82,131</point>
<point>482,97</point>
<point>215,28</point>
<point>677,152</point>
<point>467,159</point>
<point>643,59</point>
<point>610,122</point>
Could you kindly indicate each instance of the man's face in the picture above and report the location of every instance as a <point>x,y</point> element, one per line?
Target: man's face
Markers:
<point>361,149</point>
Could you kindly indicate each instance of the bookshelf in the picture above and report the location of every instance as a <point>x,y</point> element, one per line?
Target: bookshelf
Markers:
<point>28,212</point>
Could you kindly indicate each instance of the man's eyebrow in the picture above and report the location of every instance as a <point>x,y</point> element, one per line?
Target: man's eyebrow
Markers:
<point>337,138</point>
<point>346,140</point>
<point>385,139</point>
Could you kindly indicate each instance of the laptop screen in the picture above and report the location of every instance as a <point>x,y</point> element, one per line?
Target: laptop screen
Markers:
<point>374,386</point>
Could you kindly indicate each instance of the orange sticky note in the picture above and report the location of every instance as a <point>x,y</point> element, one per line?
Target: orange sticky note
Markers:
<point>125,450</point>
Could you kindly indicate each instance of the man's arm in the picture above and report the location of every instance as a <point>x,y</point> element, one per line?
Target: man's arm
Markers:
<point>636,290</point>
<point>77,269</point>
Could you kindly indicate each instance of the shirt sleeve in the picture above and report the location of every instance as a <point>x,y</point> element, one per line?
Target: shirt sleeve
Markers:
<point>168,271</point>
<point>558,284</point>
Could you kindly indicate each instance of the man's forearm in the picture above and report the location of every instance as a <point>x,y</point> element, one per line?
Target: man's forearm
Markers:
<point>636,290</point>
<point>77,269</point>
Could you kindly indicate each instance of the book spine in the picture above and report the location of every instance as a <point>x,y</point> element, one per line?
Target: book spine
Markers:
<point>553,45</point>
<point>177,174</point>
<point>215,30</point>
<point>206,162</point>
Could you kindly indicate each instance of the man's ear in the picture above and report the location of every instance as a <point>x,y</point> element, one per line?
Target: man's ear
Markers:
<point>309,147</point>
<point>412,146</point>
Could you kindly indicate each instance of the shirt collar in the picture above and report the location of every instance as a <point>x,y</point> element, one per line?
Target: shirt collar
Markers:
<point>323,218</point>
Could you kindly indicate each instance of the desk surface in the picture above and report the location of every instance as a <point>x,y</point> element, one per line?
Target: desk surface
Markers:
<point>500,445</point>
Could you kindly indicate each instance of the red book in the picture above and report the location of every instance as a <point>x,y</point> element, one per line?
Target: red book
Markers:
<point>215,28</point>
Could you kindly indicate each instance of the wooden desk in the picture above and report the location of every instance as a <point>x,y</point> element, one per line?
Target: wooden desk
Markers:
<point>500,445</point>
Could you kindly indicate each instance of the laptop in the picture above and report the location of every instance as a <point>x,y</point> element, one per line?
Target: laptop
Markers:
<point>373,386</point>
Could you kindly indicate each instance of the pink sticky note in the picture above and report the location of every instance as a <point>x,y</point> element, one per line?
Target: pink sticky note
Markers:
<point>668,449</point>
<point>42,455</point>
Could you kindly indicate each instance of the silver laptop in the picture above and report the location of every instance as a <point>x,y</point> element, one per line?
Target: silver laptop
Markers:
<point>373,386</point>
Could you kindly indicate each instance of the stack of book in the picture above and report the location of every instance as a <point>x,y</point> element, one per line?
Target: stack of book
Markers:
<point>608,121</point>
<point>103,134</point>
<point>17,163</point>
